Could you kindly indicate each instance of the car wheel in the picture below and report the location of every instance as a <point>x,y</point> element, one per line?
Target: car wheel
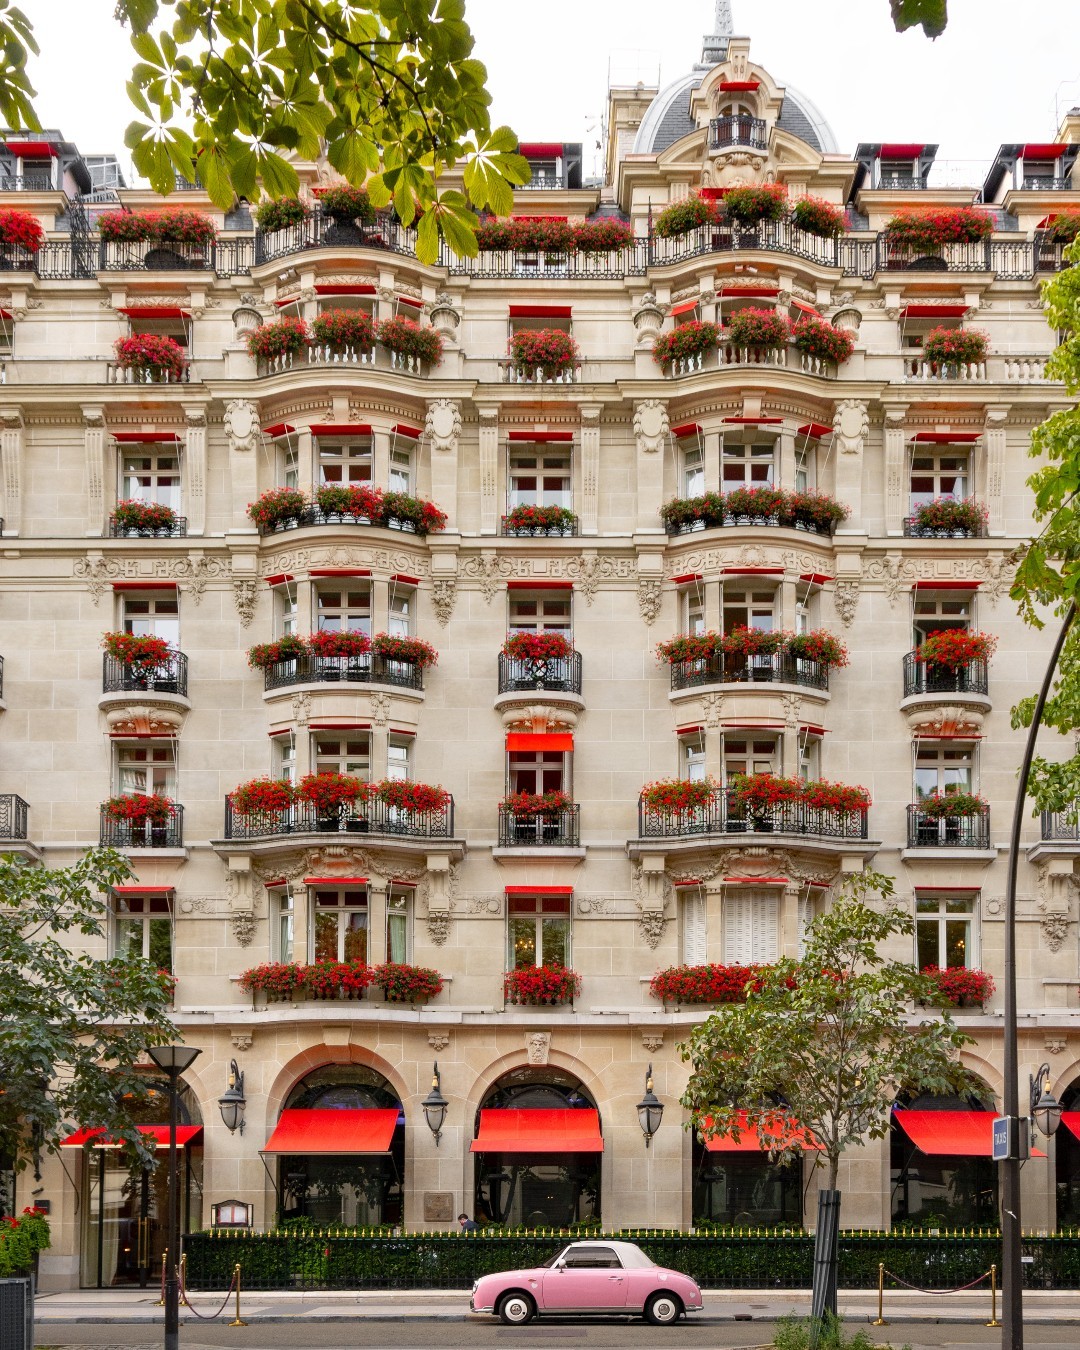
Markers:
<point>516,1309</point>
<point>663,1310</point>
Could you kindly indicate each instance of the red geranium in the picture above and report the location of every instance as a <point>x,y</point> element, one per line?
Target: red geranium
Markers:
<point>818,338</point>
<point>138,808</point>
<point>930,229</point>
<point>411,339</point>
<point>21,228</point>
<point>277,505</point>
<point>689,647</point>
<point>955,346</point>
<point>536,647</point>
<point>146,351</point>
<point>137,651</point>
<point>761,792</point>
<point>752,327</point>
<point>959,985</point>
<point>132,514</point>
<point>537,803</point>
<point>956,647</point>
<point>817,216</point>
<point>261,796</point>
<point>541,984</point>
<point>407,795</point>
<point>823,796</point>
<point>671,796</point>
<point>407,984</point>
<point>339,329</point>
<point>328,979</point>
<point>284,337</point>
<point>688,339</point>
<point>329,793</point>
<point>753,641</point>
<point>286,648</point>
<point>350,499</point>
<point>703,984</point>
<point>750,204</point>
<point>413,650</point>
<point>549,350</point>
<point>277,978</point>
<point>347,642</point>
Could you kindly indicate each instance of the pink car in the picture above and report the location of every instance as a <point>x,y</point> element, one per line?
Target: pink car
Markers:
<point>589,1277</point>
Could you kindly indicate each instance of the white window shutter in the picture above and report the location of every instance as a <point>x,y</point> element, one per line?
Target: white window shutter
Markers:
<point>738,929</point>
<point>694,947</point>
<point>765,910</point>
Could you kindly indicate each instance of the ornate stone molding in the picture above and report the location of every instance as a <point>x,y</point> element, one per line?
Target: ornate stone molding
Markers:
<point>443,596</point>
<point>538,1046</point>
<point>241,423</point>
<point>1055,929</point>
<point>846,600</point>
<point>652,1041</point>
<point>241,1040</point>
<point>851,422</point>
<point>438,1040</point>
<point>243,926</point>
<point>244,598</point>
<point>652,923</point>
<point>438,925</point>
<point>651,425</point>
<point>650,599</point>
<point>442,425</point>
<point>896,573</point>
<point>146,718</point>
<point>944,719</point>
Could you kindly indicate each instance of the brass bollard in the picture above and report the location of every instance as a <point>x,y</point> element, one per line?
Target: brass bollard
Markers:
<point>237,1320</point>
<point>164,1259</point>
<point>183,1279</point>
<point>879,1321</point>
<point>993,1298</point>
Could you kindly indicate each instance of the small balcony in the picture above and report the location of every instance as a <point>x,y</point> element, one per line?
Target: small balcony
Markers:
<point>13,816</point>
<point>175,529</point>
<point>738,668</point>
<point>738,129</point>
<point>1057,828</point>
<point>167,833</point>
<point>931,831</point>
<point>894,256</point>
<point>366,818</point>
<point>564,528</point>
<point>369,668</point>
<point>544,829</point>
<point>168,677</point>
<point>117,374</point>
<point>15,258</point>
<point>315,515</point>
<point>26,182</point>
<point>1036,183</point>
<point>732,354</point>
<point>121,255</point>
<point>726,814</point>
<point>552,675</point>
<point>922,677</point>
<point>323,231</point>
<point>513,373</point>
<point>919,371</point>
<point>915,529</point>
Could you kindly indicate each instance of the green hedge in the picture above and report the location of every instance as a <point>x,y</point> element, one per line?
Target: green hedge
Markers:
<point>732,1259</point>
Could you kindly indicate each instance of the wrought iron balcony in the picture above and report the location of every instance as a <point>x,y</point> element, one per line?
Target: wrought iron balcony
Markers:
<point>913,530</point>
<point>901,182</point>
<point>320,231</point>
<point>365,818</point>
<point>920,677</point>
<point>371,668</point>
<point>925,831</point>
<point>556,674</point>
<point>1037,184</point>
<point>314,515</point>
<point>26,182</point>
<point>168,677</point>
<point>563,530</point>
<point>725,814</point>
<point>547,829</point>
<point>156,255</point>
<point>894,256</point>
<point>15,258</point>
<point>799,520</point>
<point>143,834</point>
<point>1056,827</point>
<point>13,814</point>
<point>738,129</point>
<point>176,530</point>
<point>728,668</point>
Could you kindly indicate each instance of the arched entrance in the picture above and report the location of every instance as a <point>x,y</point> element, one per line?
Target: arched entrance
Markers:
<point>1067,1164</point>
<point>339,1148</point>
<point>736,1184</point>
<point>942,1174</point>
<point>125,1206</point>
<point>537,1145</point>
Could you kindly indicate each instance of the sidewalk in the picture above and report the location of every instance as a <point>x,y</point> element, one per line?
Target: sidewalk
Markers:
<point>134,1306</point>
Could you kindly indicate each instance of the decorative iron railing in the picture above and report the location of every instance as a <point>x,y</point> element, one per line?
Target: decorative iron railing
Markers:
<point>920,677</point>
<point>1055,826</point>
<point>314,515</point>
<point>738,129</point>
<point>925,831</point>
<point>177,529</point>
<point>726,814</point>
<point>168,677</point>
<point>564,529</point>
<point>321,231</point>
<point>799,521</point>
<point>143,834</point>
<point>156,255</point>
<point>914,530</point>
<point>549,829</point>
<point>373,817</point>
<point>736,668</point>
<point>371,668</point>
<point>555,674</point>
<point>13,814</point>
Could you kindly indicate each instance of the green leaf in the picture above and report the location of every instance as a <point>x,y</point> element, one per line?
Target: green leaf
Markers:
<point>427,237</point>
<point>931,15</point>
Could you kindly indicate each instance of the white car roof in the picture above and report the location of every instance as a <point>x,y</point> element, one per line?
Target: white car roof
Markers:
<point>630,1254</point>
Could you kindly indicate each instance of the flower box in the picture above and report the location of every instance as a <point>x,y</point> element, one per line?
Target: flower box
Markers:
<point>404,794</point>
<point>344,330</point>
<point>174,225</point>
<point>686,513</point>
<point>284,337</point>
<point>818,645</point>
<point>816,216</point>
<point>549,350</point>
<point>959,986</point>
<point>541,986</point>
<point>672,796</point>
<point>139,808</point>
<point>689,647</point>
<point>138,652</point>
<point>763,328</point>
<point>281,214</point>
<point>759,793</point>
<point>948,516</point>
<point>536,803</point>
<point>703,984</point>
<point>604,235</point>
<point>277,506</point>
<point>748,205</point>
<point>21,229</point>
<point>818,339</point>
<point>276,979</point>
<point>753,641</point>
<point>536,647</point>
<point>347,642</point>
<point>545,520</point>
<point>335,979</point>
<point>956,647</point>
<point>354,500</point>
<point>928,230</point>
<point>146,351</point>
<point>685,215</point>
<point>133,517</point>
<point>331,793</point>
<point>954,347</point>
<point>415,651</point>
<point>346,203</point>
<point>402,983</point>
<point>1065,228</point>
<point>812,511</point>
<point>286,648</point>
<point>408,338</point>
<point>400,510</point>
<point>262,796</point>
<point>951,805</point>
<point>685,341</point>
<point>745,505</point>
<point>823,796</point>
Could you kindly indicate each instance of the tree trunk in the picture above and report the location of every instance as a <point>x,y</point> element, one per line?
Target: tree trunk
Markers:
<point>825,1250</point>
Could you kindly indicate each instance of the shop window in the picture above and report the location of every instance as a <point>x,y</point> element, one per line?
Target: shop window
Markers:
<point>538,930</point>
<point>944,930</point>
<point>751,924</point>
<point>151,475</point>
<point>540,612</point>
<point>340,923</point>
<point>143,927</point>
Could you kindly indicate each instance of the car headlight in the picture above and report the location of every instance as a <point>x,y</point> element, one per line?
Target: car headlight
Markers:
<point>475,1285</point>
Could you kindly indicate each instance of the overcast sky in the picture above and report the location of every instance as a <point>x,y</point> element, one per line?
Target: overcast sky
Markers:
<point>993,77</point>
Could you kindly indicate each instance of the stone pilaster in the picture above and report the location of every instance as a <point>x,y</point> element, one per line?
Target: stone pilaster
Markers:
<point>442,432</point>
<point>651,428</point>
<point>994,482</point>
<point>243,435</point>
<point>589,509</point>
<point>195,469</point>
<point>97,508</point>
<point>896,497</point>
<point>851,422</point>
<point>11,459</point>
<point>489,468</point>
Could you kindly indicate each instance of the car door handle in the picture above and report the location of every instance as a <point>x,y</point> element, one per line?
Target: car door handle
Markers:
<point>616,1278</point>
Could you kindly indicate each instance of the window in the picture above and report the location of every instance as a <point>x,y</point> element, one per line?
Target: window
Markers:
<point>342,609</point>
<point>149,767</point>
<point>692,929</point>
<point>345,461</point>
<point>938,612</point>
<point>943,475</point>
<point>896,172</point>
<point>943,769</point>
<point>539,477</point>
<point>538,930</point>
<point>537,771</point>
<point>751,927</point>
<point>398,923</point>
<point>151,475</point>
<point>944,930</point>
<point>402,606</point>
<point>285,603</point>
<point>399,757</point>
<point>401,466</point>
<point>805,465</point>
<point>692,756</point>
<point>285,758</point>
<point>149,614</point>
<point>749,607</point>
<point>540,612</point>
<point>692,603</point>
<point>343,754</point>
<point>592,1258</point>
<point>747,465</point>
<point>751,756</point>
<point>142,926</point>
<point>692,461</point>
<point>340,922</point>
<point>809,758</point>
<point>289,463</point>
<point>282,915</point>
<point>173,326</point>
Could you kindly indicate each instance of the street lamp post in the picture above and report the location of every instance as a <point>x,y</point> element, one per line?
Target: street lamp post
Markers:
<point>650,1110</point>
<point>173,1060</point>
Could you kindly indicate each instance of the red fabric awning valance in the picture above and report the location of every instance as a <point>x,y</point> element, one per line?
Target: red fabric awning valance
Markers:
<point>539,1131</point>
<point>143,437</point>
<point>340,429</point>
<point>945,310</point>
<point>901,151</point>
<point>403,429</point>
<point>686,429</point>
<point>541,311</point>
<point>750,292</point>
<point>539,890</point>
<point>754,421</point>
<point>1047,150</point>
<point>685,306</point>
<point>540,149</point>
<point>1071,1121</point>
<point>807,308</point>
<point>279,429</point>
<point>946,437</point>
<point>328,288</point>
<point>539,585</point>
<point>185,1134</point>
<point>33,149</point>
<point>143,890</point>
<point>537,740</point>
<point>817,430</point>
<point>951,1134</point>
<point>540,437</point>
<point>154,311</point>
<point>739,86</point>
<point>332,1132</point>
<point>758,1141</point>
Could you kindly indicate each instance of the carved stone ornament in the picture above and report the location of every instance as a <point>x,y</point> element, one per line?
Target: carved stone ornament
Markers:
<point>438,1040</point>
<point>649,598</point>
<point>538,1046</point>
<point>846,601</point>
<point>443,595</point>
<point>443,424</point>
<point>241,424</point>
<point>445,315</point>
<point>652,1041</point>
<point>851,422</point>
<point>1055,929</point>
<point>648,319</point>
<point>1055,1044</point>
<point>438,926</point>
<point>596,904</point>
<point>241,1040</point>
<point>243,926</point>
<point>301,709</point>
<point>943,719</point>
<point>712,707</point>
<point>652,922</point>
<point>244,596</point>
<point>651,425</point>
<point>145,719</point>
<point>380,708</point>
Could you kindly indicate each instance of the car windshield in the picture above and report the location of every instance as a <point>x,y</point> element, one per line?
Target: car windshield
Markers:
<point>630,1255</point>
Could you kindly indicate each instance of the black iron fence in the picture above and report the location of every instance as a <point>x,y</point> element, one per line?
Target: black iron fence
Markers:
<point>738,129</point>
<point>725,813</point>
<point>13,814</point>
<point>1056,825</point>
<point>176,529</point>
<point>921,677</point>
<point>156,255</point>
<point>163,677</point>
<point>373,817</point>
<point>730,1259</point>
<point>736,668</point>
<point>314,515</point>
<point>925,831</point>
<point>915,529</point>
<point>553,674</point>
<point>547,829</point>
<point>371,668</point>
<point>168,833</point>
<point>564,528</point>
<point>323,231</point>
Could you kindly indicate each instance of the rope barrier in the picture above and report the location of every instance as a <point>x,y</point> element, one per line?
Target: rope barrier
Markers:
<point>918,1289</point>
<point>990,1274</point>
<point>209,1317</point>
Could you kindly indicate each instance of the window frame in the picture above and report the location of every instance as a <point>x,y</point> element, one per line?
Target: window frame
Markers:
<point>516,596</point>
<point>549,909</point>
<point>158,748</point>
<point>349,615</point>
<point>341,910</point>
<point>324,760</point>
<point>172,495</point>
<point>941,918</point>
<point>333,451</point>
<point>147,917</point>
<point>762,948</point>
<point>542,494</point>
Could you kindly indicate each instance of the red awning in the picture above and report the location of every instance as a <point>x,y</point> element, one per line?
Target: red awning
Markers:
<point>946,437</point>
<point>539,585</point>
<point>33,149</point>
<point>951,1134</point>
<point>751,292</point>
<point>686,577</point>
<point>817,430</point>
<point>816,578</point>
<point>901,151</point>
<point>807,309</point>
<point>1047,150</point>
<point>540,437</point>
<point>403,429</point>
<point>540,149</point>
<point>279,429</point>
<point>279,579</point>
<point>405,579</point>
<point>143,890</point>
<point>685,306</point>
<point>140,437</point>
<point>154,311</point>
<point>185,1134</point>
<point>539,890</point>
<point>740,86</point>
<point>536,740</point>
<point>940,311</point>
<point>686,429</point>
<point>410,301</point>
<point>1071,1121</point>
<point>536,1131</point>
<point>362,288</point>
<point>754,421</point>
<point>333,1132</point>
<point>340,429</point>
<point>758,1141</point>
<point>540,311</point>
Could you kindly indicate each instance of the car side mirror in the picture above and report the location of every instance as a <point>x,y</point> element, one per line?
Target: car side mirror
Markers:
<point>560,1264</point>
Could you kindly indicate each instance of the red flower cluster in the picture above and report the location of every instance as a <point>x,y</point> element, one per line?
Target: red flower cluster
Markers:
<point>340,329</point>
<point>177,225</point>
<point>761,792</point>
<point>331,793</point>
<point>748,205</point>
<point>958,985</point>
<point>536,803</point>
<point>536,647</point>
<point>22,229</point>
<point>21,1238</point>
<point>685,215</point>
<point>689,647</point>
<point>330,979</point>
<point>138,652</point>
<point>817,216</point>
<point>407,795</point>
<point>703,984</point>
<point>823,796</point>
<point>554,235</point>
<point>549,350</point>
<point>414,650</point>
<point>1065,228</point>
<point>955,346</point>
<point>686,340</point>
<point>930,229</point>
<point>423,515</point>
<point>950,805</point>
<point>284,337</point>
<point>286,648</point>
<point>346,642</point>
<point>347,203</point>
<point>949,513</point>
<point>146,351</point>
<point>956,647</point>
<point>753,327</point>
<point>407,984</point>
<point>352,499</point>
<point>670,796</point>
<point>744,641</point>
<point>818,645</point>
<point>539,518</point>
<point>411,339</point>
<point>276,978</point>
<point>541,985</point>
<point>276,505</point>
<point>819,339</point>
<point>280,214</point>
<point>132,514</point>
<point>761,503</point>
<point>138,808</point>
<point>261,796</point>
<point>369,504</point>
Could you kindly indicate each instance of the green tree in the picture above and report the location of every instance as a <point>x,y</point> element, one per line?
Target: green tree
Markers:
<point>231,89</point>
<point>1048,576</point>
<point>825,1043</point>
<point>72,1025</point>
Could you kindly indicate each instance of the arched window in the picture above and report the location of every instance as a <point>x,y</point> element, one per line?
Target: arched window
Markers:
<point>941,1171</point>
<point>1067,1161</point>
